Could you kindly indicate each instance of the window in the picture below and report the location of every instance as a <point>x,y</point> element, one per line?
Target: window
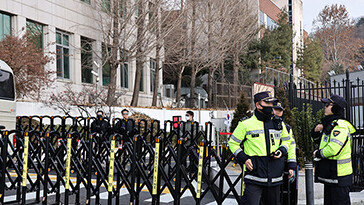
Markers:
<point>106,5</point>
<point>153,65</point>
<point>168,92</point>
<point>106,65</point>
<point>86,1</point>
<point>152,17</point>
<point>261,18</point>
<point>124,70</point>
<point>5,25</point>
<point>63,55</point>
<point>271,23</point>
<point>86,60</point>
<point>123,8</point>
<point>6,86</point>
<point>35,31</point>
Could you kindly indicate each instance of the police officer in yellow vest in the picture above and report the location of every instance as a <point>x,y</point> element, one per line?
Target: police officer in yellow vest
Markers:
<point>333,159</point>
<point>278,110</point>
<point>258,143</point>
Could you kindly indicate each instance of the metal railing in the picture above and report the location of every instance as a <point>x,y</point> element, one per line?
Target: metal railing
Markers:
<point>54,155</point>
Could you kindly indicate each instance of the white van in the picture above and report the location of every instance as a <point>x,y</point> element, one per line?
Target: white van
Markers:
<point>7,97</point>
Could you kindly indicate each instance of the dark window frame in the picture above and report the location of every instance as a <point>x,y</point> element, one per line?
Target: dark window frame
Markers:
<point>34,29</point>
<point>106,65</point>
<point>2,25</point>
<point>62,57</point>
<point>124,71</point>
<point>86,60</point>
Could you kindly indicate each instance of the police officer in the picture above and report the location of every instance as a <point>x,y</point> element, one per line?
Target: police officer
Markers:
<point>278,110</point>
<point>100,125</point>
<point>257,143</point>
<point>191,127</point>
<point>291,163</point>
<point>333,158</point>
<point>126,125</point>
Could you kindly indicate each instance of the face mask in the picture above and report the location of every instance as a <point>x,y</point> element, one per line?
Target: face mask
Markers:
<point>276,118</point>
<point>267,110</point>
<point>187,117</point>
<point>277,121</point>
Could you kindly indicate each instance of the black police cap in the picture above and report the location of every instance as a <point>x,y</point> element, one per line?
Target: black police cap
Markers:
<point>336,99</point>
<point>265,96</point>
<point>278,105</point>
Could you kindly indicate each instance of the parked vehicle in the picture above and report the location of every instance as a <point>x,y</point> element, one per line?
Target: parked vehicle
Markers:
<point>7,97</point>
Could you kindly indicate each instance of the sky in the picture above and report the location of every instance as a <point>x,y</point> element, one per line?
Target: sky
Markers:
<point>311,8</point>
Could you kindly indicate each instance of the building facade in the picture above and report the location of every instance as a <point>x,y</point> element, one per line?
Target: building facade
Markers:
<point>269,11</point>
<point>70,32</point>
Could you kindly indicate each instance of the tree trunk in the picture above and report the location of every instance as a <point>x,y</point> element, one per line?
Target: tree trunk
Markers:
<point>110,101</point>
<point>157,57</point>
<point>211,68</point>
<point>179,83</point>
<point>222,71</point>
<point>140,52</point>
<point>138,73</point>
<point>193,67</point>
<point>209,103</point>
<point>156,80</point>
<point>192,87</point>
<point>236,73</point>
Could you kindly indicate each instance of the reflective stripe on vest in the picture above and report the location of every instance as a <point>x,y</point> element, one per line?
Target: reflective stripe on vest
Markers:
<point>235,139</point>
<point>251,132</point>
<point>237,151</point>
<point>337,141</point>
<point>285,138</point>
<point>258,179</point>
<point>344,161</point>
<point>272,131</point>
<point>254,178</point>
<point>278,179</point>
<point>331,181</point>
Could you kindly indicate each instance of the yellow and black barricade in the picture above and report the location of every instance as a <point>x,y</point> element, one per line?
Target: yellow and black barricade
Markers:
<point>199,173</point>
<point>25,167</point>
<point>111,169</point>
<point>155,189</point>
<point>68,167</point>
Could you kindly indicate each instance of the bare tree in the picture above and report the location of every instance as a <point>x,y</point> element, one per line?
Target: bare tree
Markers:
<point>213,31</point>
<point>132,26</point>
<point>335,32</point>
<point>85,100</point>
<point>27,62</point>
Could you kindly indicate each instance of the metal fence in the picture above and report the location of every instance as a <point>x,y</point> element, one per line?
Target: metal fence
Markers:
<point>352,91</point>
<point>53,155</point>
<point>228,94</point>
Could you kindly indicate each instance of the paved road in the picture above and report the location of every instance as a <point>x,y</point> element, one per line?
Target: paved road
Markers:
<point>166,197</point>
<point>145,197</point>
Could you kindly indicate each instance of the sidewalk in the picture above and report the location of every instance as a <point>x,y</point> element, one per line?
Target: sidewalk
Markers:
<point>356,197</point>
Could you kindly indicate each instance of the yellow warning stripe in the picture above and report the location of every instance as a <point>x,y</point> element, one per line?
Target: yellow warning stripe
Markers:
<point>25,159</point>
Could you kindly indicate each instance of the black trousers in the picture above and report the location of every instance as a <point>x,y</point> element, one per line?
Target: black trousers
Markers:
<point>335,194</point>
<point>253,193</point>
